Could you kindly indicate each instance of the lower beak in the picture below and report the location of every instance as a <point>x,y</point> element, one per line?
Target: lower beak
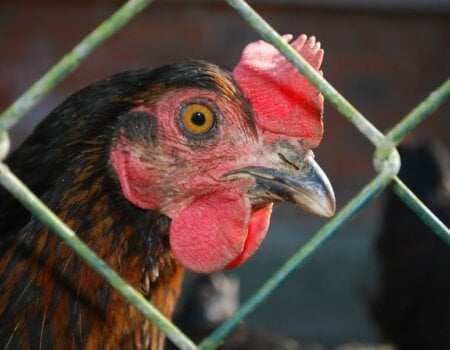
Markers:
<point>305,185</point>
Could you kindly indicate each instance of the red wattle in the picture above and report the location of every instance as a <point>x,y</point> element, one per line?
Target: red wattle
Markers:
<point>257,229</point>
<point>210,233</point>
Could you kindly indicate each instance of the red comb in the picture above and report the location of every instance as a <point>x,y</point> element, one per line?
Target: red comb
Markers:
<point>284,101</point>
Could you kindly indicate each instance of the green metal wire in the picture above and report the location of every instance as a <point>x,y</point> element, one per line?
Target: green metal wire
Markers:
<point>386,147</point>
<point>364,197</point>
<point>418,114</point>
<point>396,135</point>
<point>327,90</point>
<point>4,144</point>
<point>70,61</point>
<point>47,217</point>
<point>384,144</point>
<point>386,160</point>
<point>413,119</point>
<point>425,214</point>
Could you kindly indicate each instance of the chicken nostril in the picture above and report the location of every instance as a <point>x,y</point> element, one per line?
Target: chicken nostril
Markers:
<point>284,159</point>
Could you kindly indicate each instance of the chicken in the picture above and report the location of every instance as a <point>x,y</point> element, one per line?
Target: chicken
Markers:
<point>157,171</point>
<point>411,304</point>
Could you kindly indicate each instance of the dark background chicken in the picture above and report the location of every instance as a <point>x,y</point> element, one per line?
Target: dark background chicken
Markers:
<point>384,56</point>
<point>411,305</point>
<point>211,300</point>
<point>155,170</point>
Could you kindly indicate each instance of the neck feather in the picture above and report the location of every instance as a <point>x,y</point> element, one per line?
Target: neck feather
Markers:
<point>47,292</point>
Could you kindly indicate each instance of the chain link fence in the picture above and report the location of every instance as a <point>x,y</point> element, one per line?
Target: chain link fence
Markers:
<point>386,162</point>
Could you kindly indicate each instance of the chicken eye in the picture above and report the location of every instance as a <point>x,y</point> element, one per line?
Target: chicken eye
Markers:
<point>197,119</point>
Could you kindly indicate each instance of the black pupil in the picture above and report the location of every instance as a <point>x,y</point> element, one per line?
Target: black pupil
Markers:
<point>198,118</point>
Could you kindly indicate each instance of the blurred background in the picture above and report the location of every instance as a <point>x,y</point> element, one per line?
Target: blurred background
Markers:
<point>384,56</point>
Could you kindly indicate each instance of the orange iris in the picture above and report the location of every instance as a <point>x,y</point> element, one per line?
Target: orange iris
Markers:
<point>198,119</point>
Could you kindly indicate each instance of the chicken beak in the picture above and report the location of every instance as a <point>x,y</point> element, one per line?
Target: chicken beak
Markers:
<point>295,178</point>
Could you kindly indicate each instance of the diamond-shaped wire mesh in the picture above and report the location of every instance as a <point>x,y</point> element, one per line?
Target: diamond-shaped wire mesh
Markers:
<point>386,160</point>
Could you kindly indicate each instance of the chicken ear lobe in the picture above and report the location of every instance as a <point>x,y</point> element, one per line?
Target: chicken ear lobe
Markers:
<point>134,179</point>
<point>211,232</point>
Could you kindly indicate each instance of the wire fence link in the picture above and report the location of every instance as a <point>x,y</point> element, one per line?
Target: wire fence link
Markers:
<point>386,143</point>
<point>386,160</point>
<point>70,61</point>
<point>47,217</point>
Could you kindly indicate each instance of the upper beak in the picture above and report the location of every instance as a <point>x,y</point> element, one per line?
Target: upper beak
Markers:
<point>295,178</point>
